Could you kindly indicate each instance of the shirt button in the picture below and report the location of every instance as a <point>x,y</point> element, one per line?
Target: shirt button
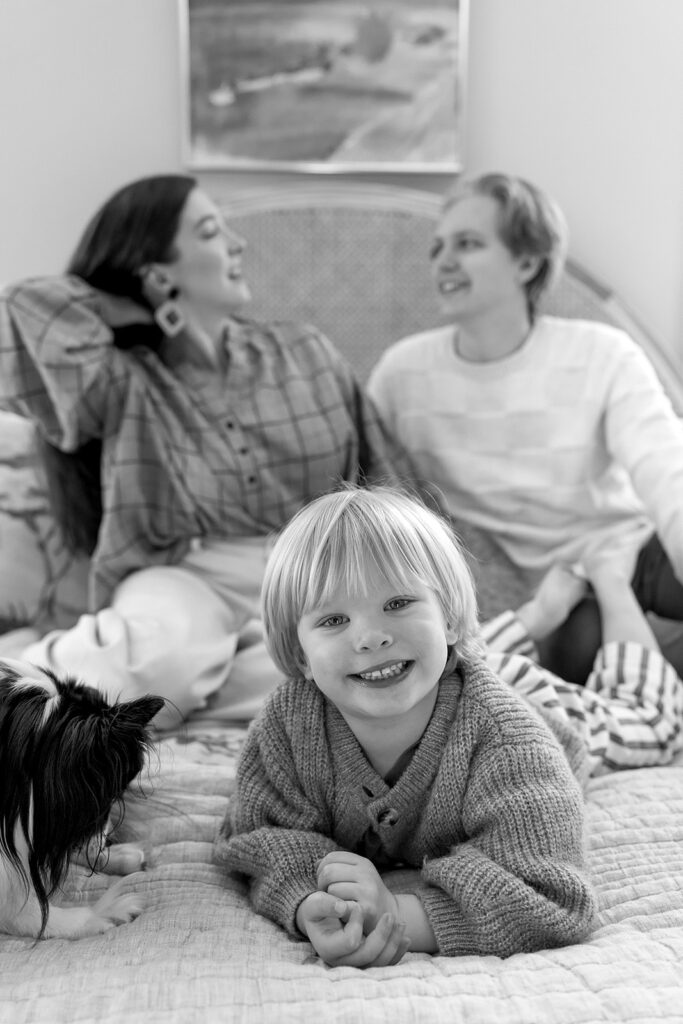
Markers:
<point>230,424</point>
<point>251,479</point>
<point>244,451</point>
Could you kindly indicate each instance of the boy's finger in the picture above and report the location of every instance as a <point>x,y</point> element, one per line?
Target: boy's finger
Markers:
<point>347,906</point>
<point>336,872</point>
<point>340,908</point>
<point>344,891</point>
<point>393,943</point>
<point>378,938</point>
<point>396,946</point>
<point>403,948</point>
<point>321,905</point>
<point>353,927</point>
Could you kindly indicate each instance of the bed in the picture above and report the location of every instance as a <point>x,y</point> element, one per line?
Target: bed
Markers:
<point>197,953</point>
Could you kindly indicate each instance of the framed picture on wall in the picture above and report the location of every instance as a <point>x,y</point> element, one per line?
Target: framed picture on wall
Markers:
<point>324,85</point>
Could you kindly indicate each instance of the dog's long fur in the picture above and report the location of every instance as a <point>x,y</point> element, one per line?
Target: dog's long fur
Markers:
<point>66,758</point>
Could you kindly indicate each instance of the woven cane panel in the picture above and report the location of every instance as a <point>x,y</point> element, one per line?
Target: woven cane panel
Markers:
<point>361,276</point>
<point>572,298</point>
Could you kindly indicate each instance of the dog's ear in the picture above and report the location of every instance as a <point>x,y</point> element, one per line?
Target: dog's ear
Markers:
<point>140,711</point>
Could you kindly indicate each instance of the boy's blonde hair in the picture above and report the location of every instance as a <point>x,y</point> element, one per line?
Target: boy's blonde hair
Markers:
<point>530,223</point>
<point>346,538</point>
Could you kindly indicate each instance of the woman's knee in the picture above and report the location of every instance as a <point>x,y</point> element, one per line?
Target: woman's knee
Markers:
<point>165,633</point>
<point>179,604</point>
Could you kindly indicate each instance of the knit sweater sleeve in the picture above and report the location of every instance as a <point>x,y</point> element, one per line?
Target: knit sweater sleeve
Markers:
<point>517,882</point>
<point>277,828</point>
<point>646,437</point>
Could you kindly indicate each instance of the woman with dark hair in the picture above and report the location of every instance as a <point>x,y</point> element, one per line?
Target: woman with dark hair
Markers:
<point>553,436</point>
<point>178,437</point>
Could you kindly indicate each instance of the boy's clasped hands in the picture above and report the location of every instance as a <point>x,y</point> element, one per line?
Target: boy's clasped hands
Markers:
<point>352,919</point>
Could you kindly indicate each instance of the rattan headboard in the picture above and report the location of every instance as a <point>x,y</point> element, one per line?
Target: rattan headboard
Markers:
<point>352,259</point>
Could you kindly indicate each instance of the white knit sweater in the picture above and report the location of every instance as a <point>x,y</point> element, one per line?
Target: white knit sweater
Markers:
<point>568,443</point>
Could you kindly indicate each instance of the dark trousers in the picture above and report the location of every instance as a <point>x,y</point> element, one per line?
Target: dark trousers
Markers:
<point>569,652</point>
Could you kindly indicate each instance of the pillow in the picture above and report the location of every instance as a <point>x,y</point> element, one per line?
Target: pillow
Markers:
<point>41,583</point>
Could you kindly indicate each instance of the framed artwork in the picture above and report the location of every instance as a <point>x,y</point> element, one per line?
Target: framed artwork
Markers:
<point>324,85</point>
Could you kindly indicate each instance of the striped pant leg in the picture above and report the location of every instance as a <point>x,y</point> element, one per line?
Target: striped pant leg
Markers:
<point>641,700</point>
<point>629,713</point>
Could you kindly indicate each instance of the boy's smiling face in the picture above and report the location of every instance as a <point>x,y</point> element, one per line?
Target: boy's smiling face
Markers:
<point>378,654</point>
<point>473,269</point>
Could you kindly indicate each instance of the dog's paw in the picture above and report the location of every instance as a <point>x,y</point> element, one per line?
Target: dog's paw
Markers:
<point>112,909</point>
<point>115,908</point>
<point>113,858</point>
<point>124,859</point>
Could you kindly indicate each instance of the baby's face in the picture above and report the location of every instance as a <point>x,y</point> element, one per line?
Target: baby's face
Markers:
<point>378,654</point>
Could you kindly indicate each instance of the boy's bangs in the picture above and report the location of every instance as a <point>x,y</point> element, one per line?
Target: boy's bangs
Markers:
<point>354,555</point>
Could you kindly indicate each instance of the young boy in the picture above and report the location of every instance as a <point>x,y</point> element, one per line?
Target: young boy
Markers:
<point>392,745</point>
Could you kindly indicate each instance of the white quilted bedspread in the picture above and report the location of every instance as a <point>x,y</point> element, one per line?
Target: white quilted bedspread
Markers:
<point>198,954</point>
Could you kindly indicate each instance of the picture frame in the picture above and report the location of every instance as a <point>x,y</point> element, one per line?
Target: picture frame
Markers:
<point>324,86</point>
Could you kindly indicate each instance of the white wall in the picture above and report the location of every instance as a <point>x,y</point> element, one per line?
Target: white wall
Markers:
<point>586,98</point>
<point>583,96</point>
<point>89,97</point>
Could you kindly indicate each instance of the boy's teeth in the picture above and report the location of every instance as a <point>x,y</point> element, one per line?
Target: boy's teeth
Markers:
<point>384,673</point>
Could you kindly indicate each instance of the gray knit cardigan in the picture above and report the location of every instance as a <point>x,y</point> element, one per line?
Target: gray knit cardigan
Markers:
<point>489,813</point>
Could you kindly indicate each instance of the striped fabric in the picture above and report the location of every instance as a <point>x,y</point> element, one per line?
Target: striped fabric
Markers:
<point>630,711</point>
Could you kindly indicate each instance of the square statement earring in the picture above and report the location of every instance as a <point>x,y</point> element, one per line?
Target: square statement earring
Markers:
<point>169,315</point>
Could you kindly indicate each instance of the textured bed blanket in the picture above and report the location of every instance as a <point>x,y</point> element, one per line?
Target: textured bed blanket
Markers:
<point>198,954</point>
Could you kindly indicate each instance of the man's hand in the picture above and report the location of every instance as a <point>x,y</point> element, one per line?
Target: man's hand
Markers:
<point>335,930</point>
<point>557,595</point>
<point>353,878</point>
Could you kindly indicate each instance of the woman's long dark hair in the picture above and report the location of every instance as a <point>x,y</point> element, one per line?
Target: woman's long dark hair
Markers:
<point>136,226</point>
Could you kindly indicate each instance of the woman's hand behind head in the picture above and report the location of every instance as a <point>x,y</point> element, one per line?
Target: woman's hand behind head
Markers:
<point>120,311</point>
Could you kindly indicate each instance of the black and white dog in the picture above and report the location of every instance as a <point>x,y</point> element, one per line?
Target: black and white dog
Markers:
<point>66,758</point>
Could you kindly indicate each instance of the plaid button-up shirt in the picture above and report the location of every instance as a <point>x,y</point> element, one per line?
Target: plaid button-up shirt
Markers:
<point>182,456</point>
